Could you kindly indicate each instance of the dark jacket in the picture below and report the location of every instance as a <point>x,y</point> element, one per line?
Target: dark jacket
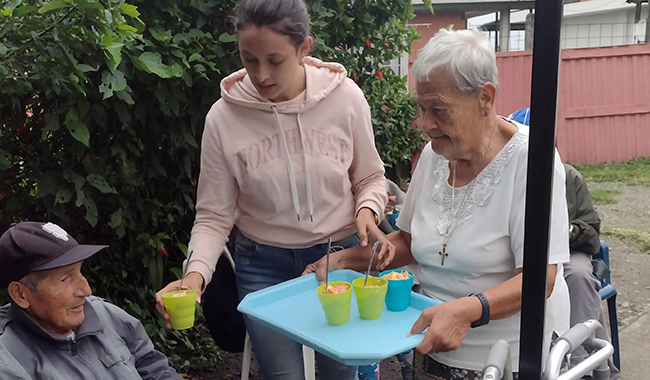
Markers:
<point>581,213</point>
<point>109,345</point>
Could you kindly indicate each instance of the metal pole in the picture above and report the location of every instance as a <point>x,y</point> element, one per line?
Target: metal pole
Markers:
<point>541,150</point>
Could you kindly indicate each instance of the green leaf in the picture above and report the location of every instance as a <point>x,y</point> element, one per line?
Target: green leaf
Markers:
<point>108,16</point>
<point>52,5</point>
<point>152,63</point>
<point>227,37</point>
<point>160,34</point>
<point>3,49</point>
<point>182,247</point>
<point>14,3</point>
<point>74,178</point>
<point>156,271</point>
<point>177,272</point>
<point>112,81</point>
<point>63,196</point>
<point>100,184</point>
<point>114,52</point>
<point>24,10</point>
<point>107,40</point>
<point>5,159</point>
<point>190,139</point>
<point>427,3</point>
<point>91,211</point>
<point>81,197</point>
<point>6,12</point>
<point>130,10</point>
<point>77,128</point>
<point>85,68</point>
<point>126,27</point>
<point>116,219</point>
<point>195,57</point>
<point>46,183</point>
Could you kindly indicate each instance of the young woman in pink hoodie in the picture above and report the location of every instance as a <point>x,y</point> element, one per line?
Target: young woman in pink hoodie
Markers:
<point>288,156</point>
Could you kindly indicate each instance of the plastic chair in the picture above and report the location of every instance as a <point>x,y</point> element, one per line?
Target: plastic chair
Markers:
<point>247,355</point>
<point>608,292</point>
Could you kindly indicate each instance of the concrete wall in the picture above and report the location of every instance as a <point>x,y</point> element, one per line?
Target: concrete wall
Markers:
<point>597,30</point>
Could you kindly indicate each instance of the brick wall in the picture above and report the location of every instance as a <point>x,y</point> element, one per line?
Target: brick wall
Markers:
<point>428,25</point>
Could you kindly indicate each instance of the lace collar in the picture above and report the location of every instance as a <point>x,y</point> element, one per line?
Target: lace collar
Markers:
<point>487,179</point>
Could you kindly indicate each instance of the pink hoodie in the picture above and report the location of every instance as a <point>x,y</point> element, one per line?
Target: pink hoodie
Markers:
<point>288,174</point>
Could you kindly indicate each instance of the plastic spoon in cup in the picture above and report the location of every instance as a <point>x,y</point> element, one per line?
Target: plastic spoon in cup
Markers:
<point>180,286</point>
<point>372,255</point>
<point>327,263</point>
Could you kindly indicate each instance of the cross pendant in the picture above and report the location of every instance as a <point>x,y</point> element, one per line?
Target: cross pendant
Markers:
<point>443,254</point>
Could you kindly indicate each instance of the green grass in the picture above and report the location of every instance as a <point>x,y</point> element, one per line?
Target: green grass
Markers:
<point>633,172</point>
<point>604,197</point>
<point>641,238</point>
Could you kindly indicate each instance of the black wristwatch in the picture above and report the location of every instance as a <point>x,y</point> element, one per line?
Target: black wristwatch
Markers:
<point>485,316</point>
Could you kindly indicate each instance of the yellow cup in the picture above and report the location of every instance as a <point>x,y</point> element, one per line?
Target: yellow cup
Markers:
<point>336,306</point>
<point>370,299</point>
<point>180,308</point>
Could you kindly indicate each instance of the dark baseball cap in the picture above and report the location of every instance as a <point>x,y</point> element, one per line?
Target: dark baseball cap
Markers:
<point>36,246</point>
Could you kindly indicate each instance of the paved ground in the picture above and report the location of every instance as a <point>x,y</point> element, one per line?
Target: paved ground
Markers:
<point>630,276</point>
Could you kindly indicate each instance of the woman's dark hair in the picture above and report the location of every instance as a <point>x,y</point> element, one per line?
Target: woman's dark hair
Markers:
<point>288,17</point>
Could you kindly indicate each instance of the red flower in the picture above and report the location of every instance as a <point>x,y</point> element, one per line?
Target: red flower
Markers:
<point>380,75</point>
<point>340,47</point>
<point>20,130</point>
<point>368,42</point>
<point>355,77</point>
<point>388,46</point>
<point>162,251</point>
<point>387,109</point>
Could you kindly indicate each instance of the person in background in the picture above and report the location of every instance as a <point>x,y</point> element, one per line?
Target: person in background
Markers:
<point>288,156</point>
<point>54,328</point>
<point>584,240</point>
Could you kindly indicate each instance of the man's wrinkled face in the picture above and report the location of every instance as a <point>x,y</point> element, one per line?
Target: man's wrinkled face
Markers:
<point>57,301</point>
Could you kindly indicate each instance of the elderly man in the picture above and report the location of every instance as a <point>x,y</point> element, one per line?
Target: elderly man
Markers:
<point>54,328</point>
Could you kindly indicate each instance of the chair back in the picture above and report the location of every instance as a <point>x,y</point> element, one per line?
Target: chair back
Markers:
<point>603,254</point>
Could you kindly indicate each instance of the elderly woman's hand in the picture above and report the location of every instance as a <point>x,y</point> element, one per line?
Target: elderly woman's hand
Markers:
<point>320,267</point>
<point>447,324</point>
<point>366,226</point>
<point>351,258</point>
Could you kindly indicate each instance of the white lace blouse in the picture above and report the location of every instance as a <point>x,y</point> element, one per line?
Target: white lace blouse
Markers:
<point>487,244</point>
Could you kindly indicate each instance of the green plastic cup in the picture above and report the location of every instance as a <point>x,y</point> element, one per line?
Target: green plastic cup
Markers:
<point>370,299</point>
<point>180,308</point>
<point>336,306</point>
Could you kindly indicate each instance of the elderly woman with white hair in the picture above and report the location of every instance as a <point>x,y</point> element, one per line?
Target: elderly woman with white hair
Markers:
<point>463,218</point>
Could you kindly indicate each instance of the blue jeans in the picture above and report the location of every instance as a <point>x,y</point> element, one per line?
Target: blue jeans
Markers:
<point>258,266</point>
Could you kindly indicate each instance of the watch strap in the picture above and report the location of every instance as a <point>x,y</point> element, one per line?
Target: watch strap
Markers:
<point>485,315</point>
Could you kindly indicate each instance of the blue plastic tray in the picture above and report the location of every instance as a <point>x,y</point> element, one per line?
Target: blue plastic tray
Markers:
<point>292,308</point>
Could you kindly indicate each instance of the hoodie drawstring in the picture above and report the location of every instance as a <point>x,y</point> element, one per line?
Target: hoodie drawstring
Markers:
<point>292,178</point>
<point>310,203</point>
